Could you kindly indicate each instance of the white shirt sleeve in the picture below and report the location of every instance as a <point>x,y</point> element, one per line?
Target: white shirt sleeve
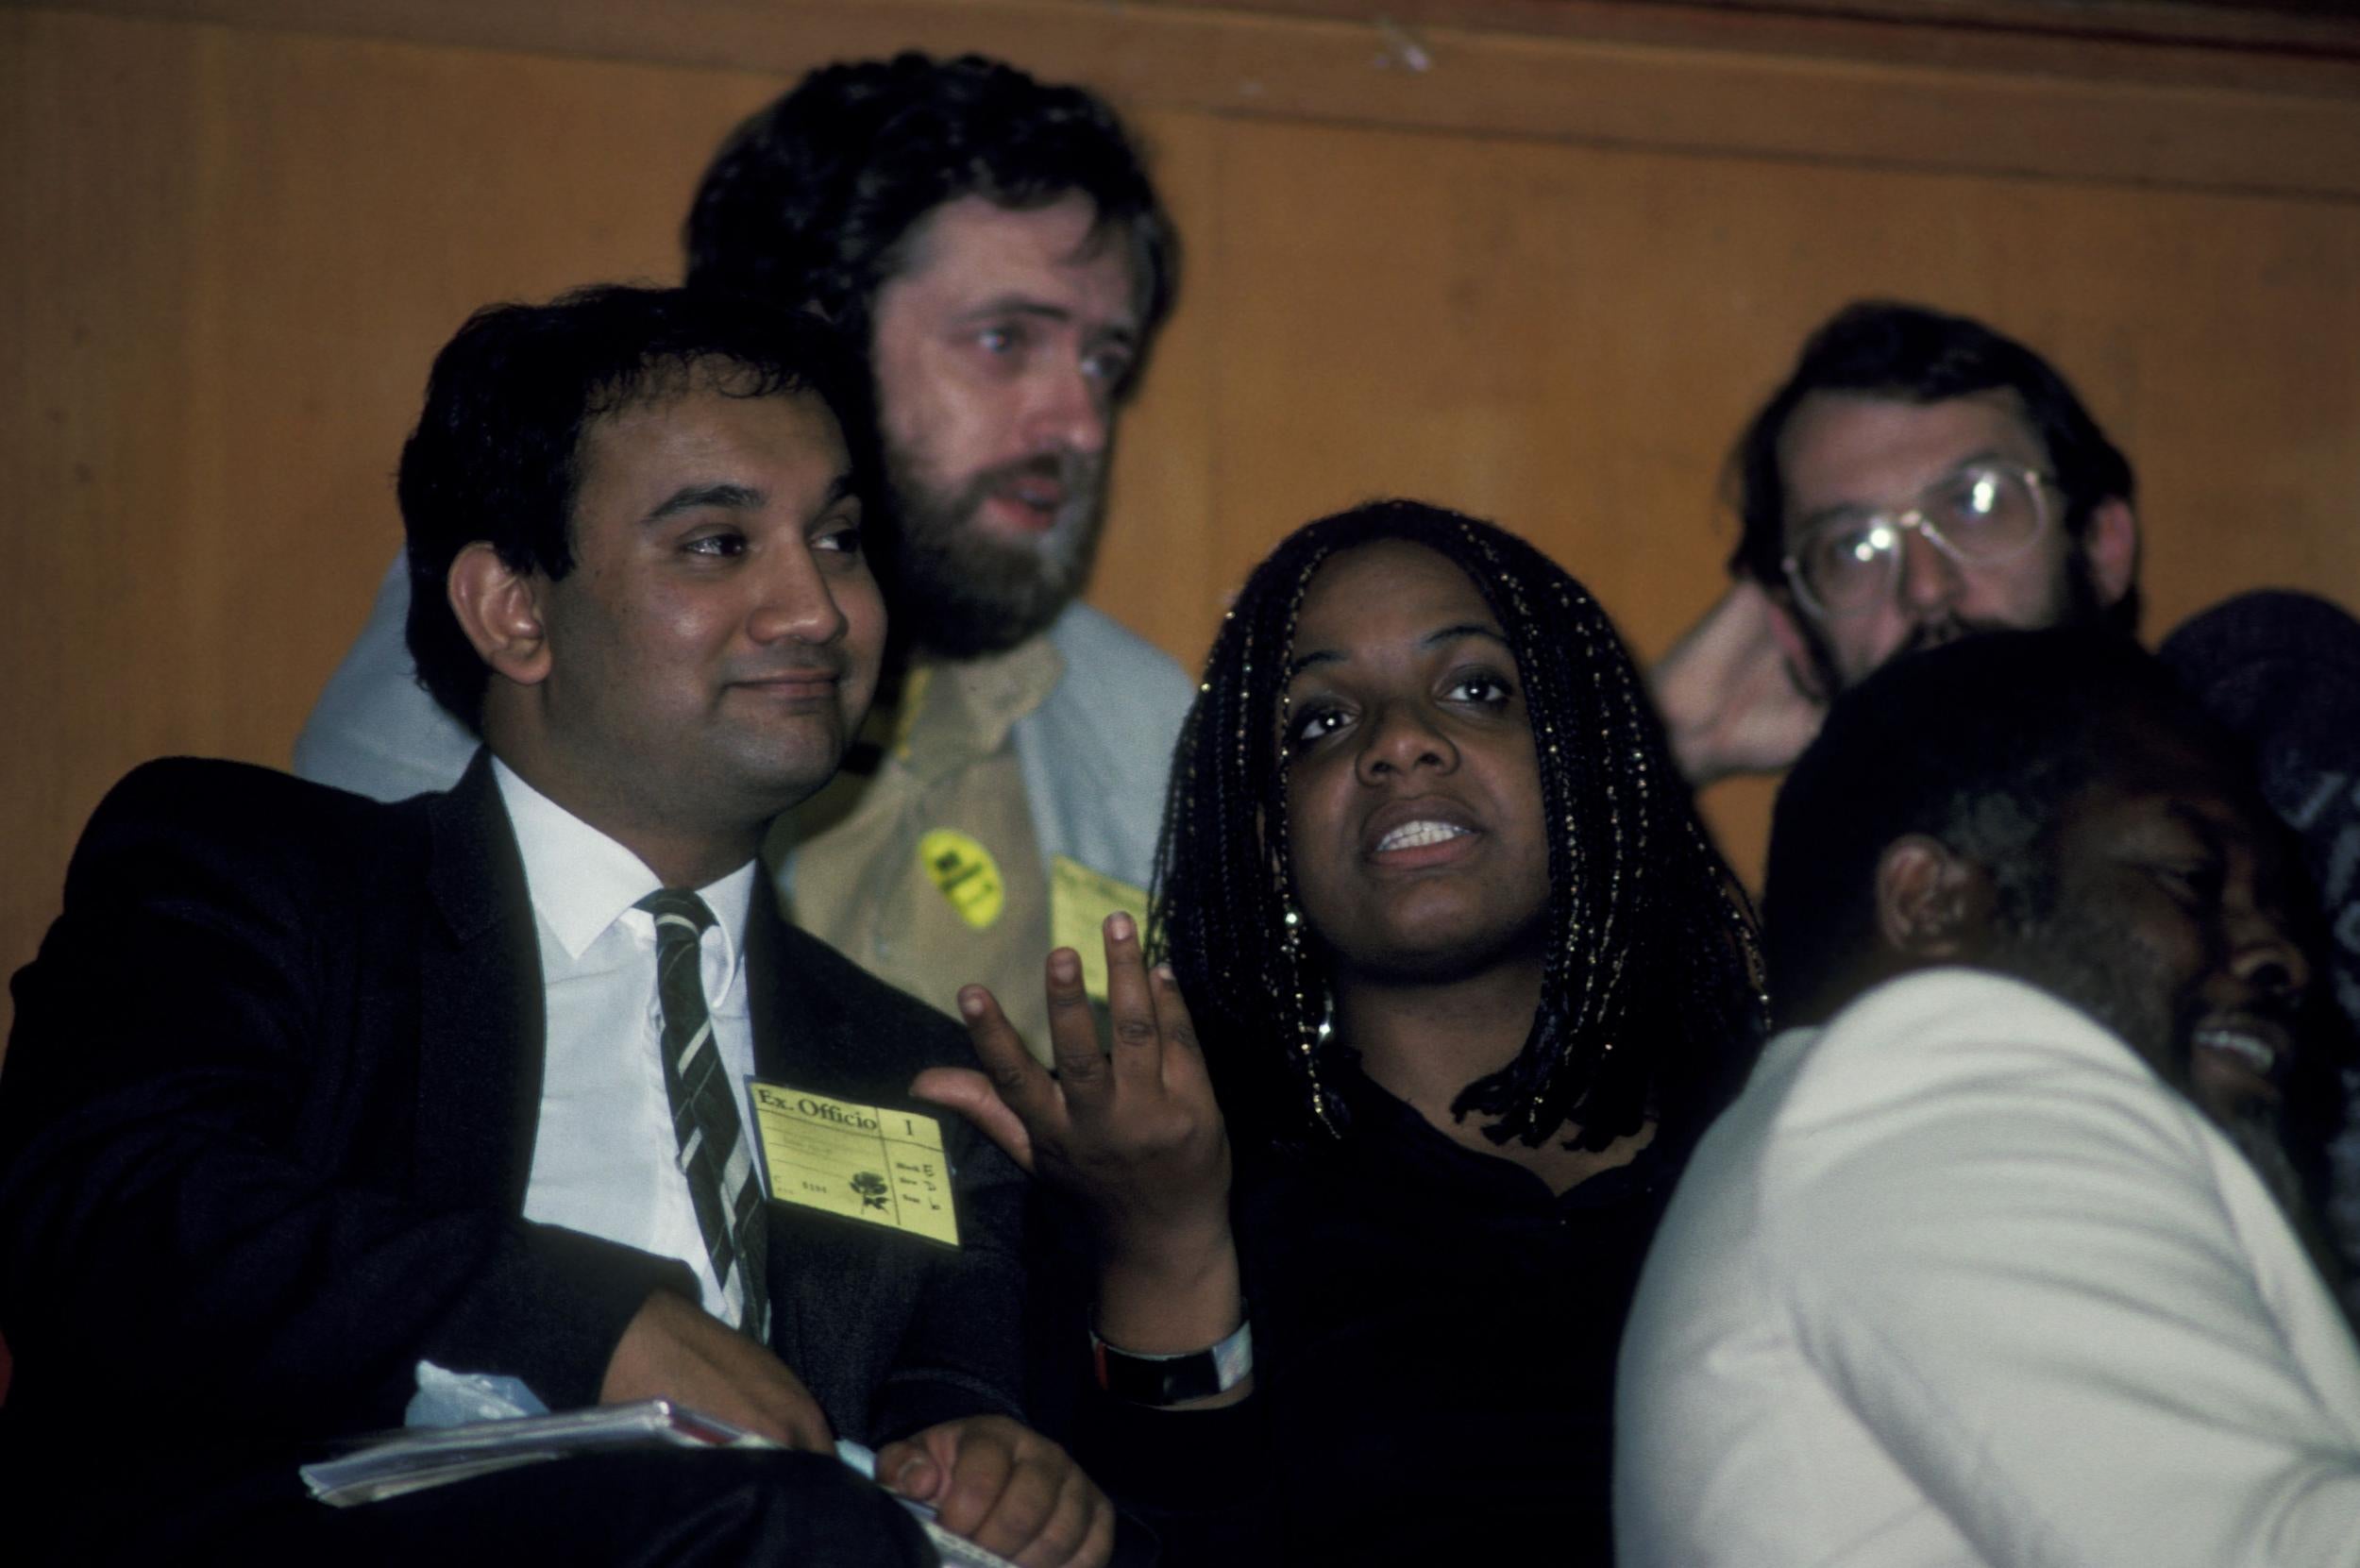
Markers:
<point>2060,1300</point>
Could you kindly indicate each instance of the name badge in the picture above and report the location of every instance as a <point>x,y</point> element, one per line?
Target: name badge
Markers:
<point>881,1165</point>
<point>1079,902</point>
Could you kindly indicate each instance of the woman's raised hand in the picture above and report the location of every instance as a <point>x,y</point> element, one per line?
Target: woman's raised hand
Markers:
<point>1134,1134</point>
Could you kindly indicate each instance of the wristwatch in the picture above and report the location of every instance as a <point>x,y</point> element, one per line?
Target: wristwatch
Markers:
<point>1164,1381</point>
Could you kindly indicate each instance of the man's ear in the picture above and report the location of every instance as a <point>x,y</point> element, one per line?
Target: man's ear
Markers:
<point>2112,547</point>
<point>1794,644</point>
<point>1933,906</point>
<point>500,610</point>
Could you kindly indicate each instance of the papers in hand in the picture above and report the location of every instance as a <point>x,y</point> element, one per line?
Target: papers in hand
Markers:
<point>386,1464</point>
<point>412,1459</point>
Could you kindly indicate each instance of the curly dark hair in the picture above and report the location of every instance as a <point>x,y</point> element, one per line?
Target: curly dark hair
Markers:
<point>1978,744</point>
<point>813,200</point>
<point>495,456</point>
<point>1651,1003</point>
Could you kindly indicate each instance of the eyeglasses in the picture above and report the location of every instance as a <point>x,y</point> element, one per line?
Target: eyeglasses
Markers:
<point>1984,515</point>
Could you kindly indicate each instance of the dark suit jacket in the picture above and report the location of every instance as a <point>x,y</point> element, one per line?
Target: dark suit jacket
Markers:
<point>268,1118</point>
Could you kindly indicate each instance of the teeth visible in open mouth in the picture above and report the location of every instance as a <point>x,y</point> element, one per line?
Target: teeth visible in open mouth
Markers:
<point>1417,835</point>
<point>2242,1046</point>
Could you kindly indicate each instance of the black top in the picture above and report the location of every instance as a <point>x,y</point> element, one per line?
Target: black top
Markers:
<point>1435,1334</point>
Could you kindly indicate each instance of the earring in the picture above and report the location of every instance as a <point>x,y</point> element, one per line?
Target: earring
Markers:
<point>1312,1027</point>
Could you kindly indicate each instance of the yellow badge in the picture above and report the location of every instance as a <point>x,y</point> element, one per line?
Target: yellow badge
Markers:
<point>864,1162</point>
<point>1079,902</point>
<point>966,874</point>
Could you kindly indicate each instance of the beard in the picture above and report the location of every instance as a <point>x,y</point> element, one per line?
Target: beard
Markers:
<point>2083,959</point>
<point>2074,601</point>
<point>2085,962</point>
<point>957,591</point>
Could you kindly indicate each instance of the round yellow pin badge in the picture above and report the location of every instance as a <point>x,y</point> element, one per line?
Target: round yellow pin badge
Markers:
<point>966,873</point>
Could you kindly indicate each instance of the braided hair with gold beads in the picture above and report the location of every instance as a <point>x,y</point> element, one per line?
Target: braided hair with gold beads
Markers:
<point>1651,1004</point>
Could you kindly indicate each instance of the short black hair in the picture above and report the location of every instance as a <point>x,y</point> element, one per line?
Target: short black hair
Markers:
<point>1650,1002</point>
<point>495,455</point>
<point>1916,354</point>
<point>1979,744</point>
<point>812,200</point>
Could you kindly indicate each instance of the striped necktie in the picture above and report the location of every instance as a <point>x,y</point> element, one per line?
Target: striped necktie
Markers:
<point>714,1154</point>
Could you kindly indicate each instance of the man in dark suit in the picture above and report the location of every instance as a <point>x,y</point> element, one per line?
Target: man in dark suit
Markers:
<point>307,1092</point>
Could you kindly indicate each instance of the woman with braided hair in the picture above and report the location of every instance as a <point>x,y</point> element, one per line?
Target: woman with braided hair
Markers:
<point>1469,981</point>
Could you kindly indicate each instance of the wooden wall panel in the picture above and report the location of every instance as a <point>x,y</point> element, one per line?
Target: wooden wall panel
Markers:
<point>228,248</point>
<point>229,258</point>
<point>1567,339</point>
<point>1628,73</point>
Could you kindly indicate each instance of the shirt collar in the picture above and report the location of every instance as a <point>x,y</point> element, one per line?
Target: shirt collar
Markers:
<point>581,882</point>
<point>964,709</point>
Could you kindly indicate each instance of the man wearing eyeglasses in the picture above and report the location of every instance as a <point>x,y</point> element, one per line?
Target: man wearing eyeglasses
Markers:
<point>1918,476</point>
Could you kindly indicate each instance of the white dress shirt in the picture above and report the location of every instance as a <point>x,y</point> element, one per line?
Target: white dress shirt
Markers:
<point>1960,1281</point>
<point>605,1159</point>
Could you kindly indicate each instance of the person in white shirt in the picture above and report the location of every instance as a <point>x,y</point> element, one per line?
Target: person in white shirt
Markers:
<point>1991,1264</point>
<point>1920,476</point>
<point>310,1094</point>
